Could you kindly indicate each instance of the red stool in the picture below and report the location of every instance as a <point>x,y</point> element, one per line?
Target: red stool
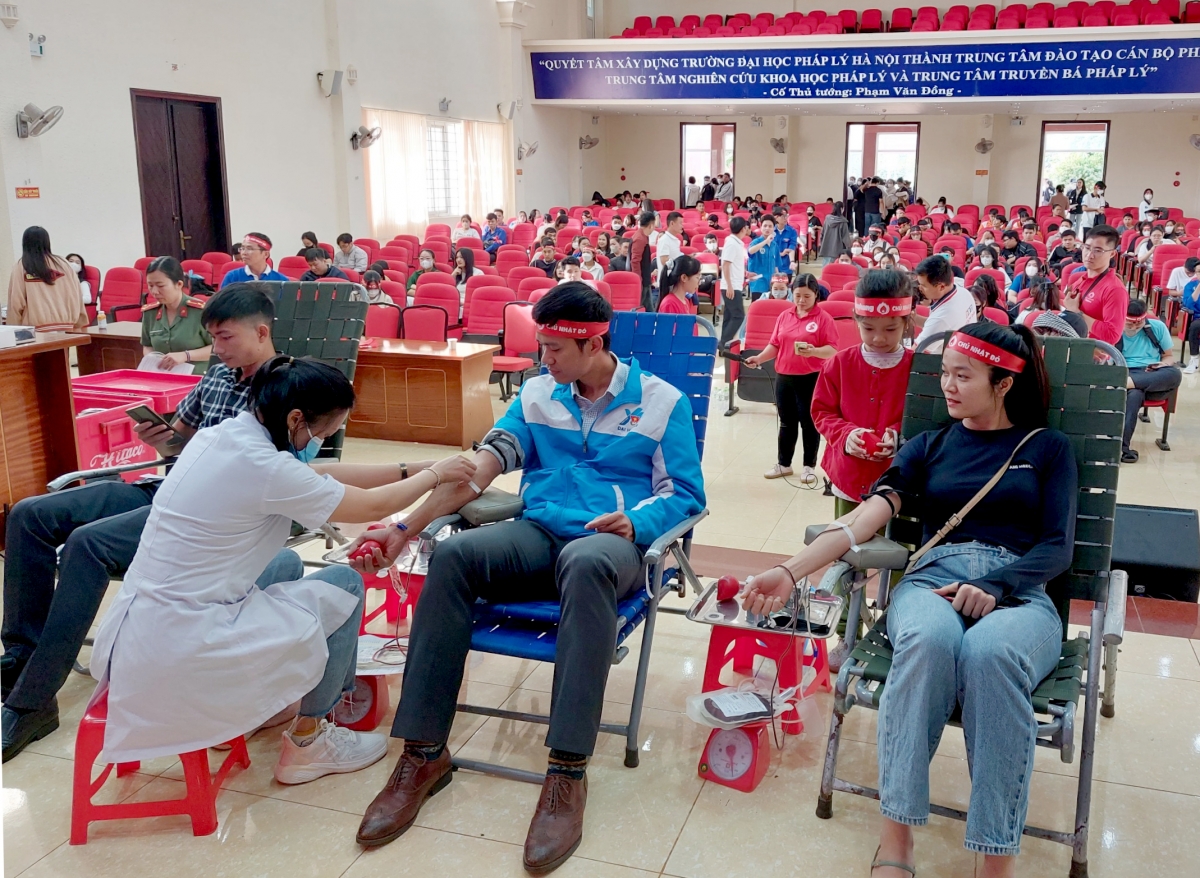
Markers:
<point>394,608</point>
<point>741,645</point>
<point>200,802</point>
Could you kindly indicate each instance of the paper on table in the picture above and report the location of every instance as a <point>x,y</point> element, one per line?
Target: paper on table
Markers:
<point>150,363</point>
<point>368,646</point>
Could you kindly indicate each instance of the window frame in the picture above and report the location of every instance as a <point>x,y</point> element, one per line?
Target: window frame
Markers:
<point>916,175</point>
<point>1037,183</point>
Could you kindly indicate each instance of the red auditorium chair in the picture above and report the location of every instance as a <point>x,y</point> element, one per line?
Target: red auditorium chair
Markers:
<point>642,23</point>
<point>725,31</point>
<point>443,295</point>
<point>802,29</point>
<point>292,266</point>
<point>368,244</point>
<point>626,290</point>
<point>1125,18</point>
<point>629,33</point>
<point>1007,20</point>
<point>437,230</point>
<point>665,22</point>
<point>485,319</point>
<point>1094,19</point>
<point>689,22</point>
<point>953,22</point>
<point>1065,18</point>
<point>435,277</point>
<point>219,273</point>
<point>924,26</point>
<point>200,267</point>
<point>676,33</point>
<point>530,285</point>
<point>849,19</point>
<point>1191,13</point>
<point>902,20</point>
<point>121,297</point>
<point>702,31</point>
<point>979,23</point>
<point>424,323</point>
<point>773,31</point>
<point>713,21</point>
<point>216,257</point>
<point>835,275</point>
<point>1156,16</point>
<point>749,31</point>
<point>1079,7</point>
<point>872,21</point>
<point>1171,7</point>
<point>829,27</point>
<point>519,347</point>
<point>1105,6</point>
<point>383,321</point>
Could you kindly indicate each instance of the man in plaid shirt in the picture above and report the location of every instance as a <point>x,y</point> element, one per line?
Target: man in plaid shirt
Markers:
<point>98,526</point>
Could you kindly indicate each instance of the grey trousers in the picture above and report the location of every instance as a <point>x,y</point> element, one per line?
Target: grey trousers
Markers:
<point>518,561</point>
<point>732,318</point>
<point>1146,381</point>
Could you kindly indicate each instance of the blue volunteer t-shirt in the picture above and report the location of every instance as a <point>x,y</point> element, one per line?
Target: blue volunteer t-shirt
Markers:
<point>1140,351</point>
<point>1191,296</point>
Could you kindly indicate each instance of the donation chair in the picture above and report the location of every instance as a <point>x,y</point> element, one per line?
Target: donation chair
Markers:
<point>1087,403</point>
<point>665,347</point>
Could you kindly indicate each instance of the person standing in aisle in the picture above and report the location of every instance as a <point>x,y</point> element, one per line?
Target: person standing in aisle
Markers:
<point>640,258</point>
<point>733,277</point>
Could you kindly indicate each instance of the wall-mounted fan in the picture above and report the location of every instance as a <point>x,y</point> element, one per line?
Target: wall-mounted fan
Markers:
<point>984,146</point>
<point>525,149</point>
<point>33,120</point>
<point>779,144</point>
<point>364,136</point>
<point>588,142</point>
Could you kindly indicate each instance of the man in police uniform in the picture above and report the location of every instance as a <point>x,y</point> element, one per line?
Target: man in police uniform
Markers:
<point>184,341</point>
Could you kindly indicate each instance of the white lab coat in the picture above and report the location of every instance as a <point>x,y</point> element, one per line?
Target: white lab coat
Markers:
<point>193,652</point>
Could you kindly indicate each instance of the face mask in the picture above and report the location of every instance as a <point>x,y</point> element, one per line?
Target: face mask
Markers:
<point>309,452</point>
<point>878,255</point>
<point>712,246</point>
<point>1169,229</point>
<point>856,250</point>
<point>427,263</point>
<point>874,235</point>
<point>1031,270</point>
<point>985,260</point>
<point>1148,196</point>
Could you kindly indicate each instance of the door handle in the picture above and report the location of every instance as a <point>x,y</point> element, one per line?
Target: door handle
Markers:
<point>183,239</point>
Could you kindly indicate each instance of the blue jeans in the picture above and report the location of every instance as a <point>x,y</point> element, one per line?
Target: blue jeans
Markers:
<point>342,644</point>
<point>870,219</point>
<point>990,666</point>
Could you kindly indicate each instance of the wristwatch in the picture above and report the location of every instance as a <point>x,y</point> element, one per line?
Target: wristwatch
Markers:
<point>403,471</point>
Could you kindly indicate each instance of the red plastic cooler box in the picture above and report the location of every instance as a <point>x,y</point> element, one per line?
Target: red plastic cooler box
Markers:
<point>164,390</point>
<point>105,432</point>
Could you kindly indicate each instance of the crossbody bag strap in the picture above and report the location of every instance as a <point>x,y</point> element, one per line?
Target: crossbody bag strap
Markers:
<point>956,519</point>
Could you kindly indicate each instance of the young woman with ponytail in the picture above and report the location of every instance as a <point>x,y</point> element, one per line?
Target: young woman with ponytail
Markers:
<point>680,281</point>
<point>970,622</point>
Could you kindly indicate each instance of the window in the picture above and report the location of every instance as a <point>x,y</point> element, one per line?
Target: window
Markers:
<point>1071,150</point>
<point>444,164</point>
<point>424,170</point>
<point>705,151</point>
<point>884,150</point>
<point>590,23</point>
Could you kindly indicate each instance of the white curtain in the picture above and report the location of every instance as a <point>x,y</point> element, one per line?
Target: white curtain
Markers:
<point>487,169</point>
<point>397,174</point>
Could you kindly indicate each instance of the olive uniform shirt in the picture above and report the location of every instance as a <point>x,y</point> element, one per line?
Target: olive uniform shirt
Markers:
<point>185,334</point>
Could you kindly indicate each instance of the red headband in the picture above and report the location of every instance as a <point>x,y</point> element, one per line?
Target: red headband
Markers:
<point>984,352</point>
<point>573,329</point>
<point>255,239</point>
<point>871,307</point>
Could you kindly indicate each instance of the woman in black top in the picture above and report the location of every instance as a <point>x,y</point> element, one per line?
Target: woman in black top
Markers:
<point>972,621</point>
<point>1075,201</point>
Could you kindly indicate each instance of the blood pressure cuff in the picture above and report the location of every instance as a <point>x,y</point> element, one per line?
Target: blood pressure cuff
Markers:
<point>506,448</point>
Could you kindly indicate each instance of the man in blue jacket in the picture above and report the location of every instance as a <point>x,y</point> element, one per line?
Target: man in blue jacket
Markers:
<point>609,463</point>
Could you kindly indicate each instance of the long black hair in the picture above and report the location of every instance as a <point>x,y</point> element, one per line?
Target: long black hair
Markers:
<point>82,270</point>
<point>1028,400</point>
<point>468,257</point>
<point>284,384</point>
<point>683,266</point>
<point>35,254</point>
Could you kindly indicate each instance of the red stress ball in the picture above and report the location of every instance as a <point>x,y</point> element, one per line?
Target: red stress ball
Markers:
<point>728,588</point>
<point>870,442</point>
<point>366,550</point>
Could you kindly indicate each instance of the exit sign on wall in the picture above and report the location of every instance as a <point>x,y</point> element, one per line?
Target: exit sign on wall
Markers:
<point>28,192</point>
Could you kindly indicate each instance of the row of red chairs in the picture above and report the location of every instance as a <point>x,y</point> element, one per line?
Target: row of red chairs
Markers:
<point>985,16</point>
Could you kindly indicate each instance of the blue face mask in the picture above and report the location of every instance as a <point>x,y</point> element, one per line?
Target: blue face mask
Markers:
<point>309,452</point>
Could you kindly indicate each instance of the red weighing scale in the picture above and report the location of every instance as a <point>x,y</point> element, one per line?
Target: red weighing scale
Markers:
<point>737,758</point>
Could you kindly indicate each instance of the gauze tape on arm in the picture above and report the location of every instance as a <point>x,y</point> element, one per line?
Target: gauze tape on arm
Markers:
<point>837,525</point>
<point>474,487</point>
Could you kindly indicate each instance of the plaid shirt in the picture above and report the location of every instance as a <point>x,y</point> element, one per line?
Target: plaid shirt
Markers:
<point>588,410</point>
<point>221,394</point>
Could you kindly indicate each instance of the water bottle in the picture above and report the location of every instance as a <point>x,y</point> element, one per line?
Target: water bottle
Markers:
<point>101,321</point>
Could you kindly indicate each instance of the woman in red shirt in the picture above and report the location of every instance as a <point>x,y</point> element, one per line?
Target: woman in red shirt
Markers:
<point>804,338</point>
<point>681,280</point>
<point>859,397</point>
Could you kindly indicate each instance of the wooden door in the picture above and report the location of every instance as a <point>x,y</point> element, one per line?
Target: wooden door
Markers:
<point>181,170</point>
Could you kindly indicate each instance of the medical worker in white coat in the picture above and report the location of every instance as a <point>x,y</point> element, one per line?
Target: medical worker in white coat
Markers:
<point>193,652</point>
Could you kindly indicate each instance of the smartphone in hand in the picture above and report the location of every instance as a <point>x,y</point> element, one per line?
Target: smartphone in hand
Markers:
<point>141,413</point>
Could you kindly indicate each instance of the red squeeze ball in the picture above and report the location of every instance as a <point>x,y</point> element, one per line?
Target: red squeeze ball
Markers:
<point>728,588</point>
<point>366,549</point>
<point>870,442</point>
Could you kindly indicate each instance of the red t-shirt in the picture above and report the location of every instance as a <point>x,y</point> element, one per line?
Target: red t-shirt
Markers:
<point>672,304</point>
<point>1105,300</point>
<point>816,327</point>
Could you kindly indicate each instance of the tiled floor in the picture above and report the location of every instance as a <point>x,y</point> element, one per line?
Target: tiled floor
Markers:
<point>661,819</point>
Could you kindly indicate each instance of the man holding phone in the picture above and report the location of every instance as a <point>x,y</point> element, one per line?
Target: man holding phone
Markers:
<point>98,526</point>
<point>1149,353</point>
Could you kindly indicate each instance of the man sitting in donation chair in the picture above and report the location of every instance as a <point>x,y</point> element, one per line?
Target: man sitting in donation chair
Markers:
<point>610,465</point>
<point>1010,507</point>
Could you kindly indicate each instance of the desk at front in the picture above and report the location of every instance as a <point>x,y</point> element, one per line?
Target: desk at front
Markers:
<point>118,346</point>
<point>419,391</point>
<point>37,416</point>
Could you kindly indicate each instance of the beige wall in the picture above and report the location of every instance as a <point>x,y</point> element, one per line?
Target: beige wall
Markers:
<point>647,147</point>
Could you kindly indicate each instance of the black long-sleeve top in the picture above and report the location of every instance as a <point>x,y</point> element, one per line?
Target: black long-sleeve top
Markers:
<point>1030,511</point>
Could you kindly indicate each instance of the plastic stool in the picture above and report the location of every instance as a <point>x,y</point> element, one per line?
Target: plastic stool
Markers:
<point>393,609</point>
<point>200,803</point>
<point>740,646</point>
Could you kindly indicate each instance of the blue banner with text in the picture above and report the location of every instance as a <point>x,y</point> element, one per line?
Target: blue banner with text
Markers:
<point>987,70</point>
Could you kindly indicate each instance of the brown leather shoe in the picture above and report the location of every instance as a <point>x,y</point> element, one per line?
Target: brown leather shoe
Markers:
<point>557,827</point>
<point>395,808</point>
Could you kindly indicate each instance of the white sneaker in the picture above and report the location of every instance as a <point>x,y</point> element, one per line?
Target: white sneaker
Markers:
<point>335,750</point>
<point>1193,366</point>
<point>808,475</point>
<point>778,472</point>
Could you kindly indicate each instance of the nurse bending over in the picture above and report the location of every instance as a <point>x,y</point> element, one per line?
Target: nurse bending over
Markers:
<point>212,633</point>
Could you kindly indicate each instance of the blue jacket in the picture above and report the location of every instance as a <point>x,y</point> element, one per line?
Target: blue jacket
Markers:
<point>1190,300</point>
<point>786,238</point>
<point>492,239</point>
<point>241,275</point>
<point>640,457</point>
<point>764,262</point>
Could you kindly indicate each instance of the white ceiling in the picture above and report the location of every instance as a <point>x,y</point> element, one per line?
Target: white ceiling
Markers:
<point>961,107</point>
